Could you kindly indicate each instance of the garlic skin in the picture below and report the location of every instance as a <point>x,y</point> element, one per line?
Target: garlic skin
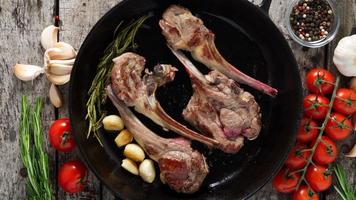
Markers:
<point>345,56</point>
<point>27,72</point>
<point>49,36</point>
<point>61,51</point>
<point>55,96</point>
<point>58,80</point>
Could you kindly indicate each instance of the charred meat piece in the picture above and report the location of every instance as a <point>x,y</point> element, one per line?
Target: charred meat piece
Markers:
<point>138,91</point>
<point>181,167</point>
<point>187,32</point>
<point>221,108</point>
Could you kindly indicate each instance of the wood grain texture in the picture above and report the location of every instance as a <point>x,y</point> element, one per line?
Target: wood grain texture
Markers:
<point>21,23</point>
<point>77,18</point>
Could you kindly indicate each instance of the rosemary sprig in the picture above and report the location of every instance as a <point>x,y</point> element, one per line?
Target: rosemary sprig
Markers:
<point>97,96</point>
<point>345,190</point>
<point>33,156</point>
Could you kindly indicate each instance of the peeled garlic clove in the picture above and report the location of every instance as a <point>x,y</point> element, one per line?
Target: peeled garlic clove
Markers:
<point>113,123</point>
<point>27,72</point>
<point>61,51</point>
<point>58,80</point>
<point>134,152</point>
<point>55,96</point>
<point>49,37</point>
<point>147,171</point>
<point>352,153</point>
<point>59,69</point>
<point>130,166</point>
<point>123,138</point>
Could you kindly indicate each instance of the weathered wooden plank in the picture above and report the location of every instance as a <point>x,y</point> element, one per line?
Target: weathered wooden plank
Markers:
<point>347,10</point>
<point>77,18</point>
<point>21,23</point>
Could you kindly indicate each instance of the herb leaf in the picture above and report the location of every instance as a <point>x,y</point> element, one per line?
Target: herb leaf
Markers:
<point>345,190</point>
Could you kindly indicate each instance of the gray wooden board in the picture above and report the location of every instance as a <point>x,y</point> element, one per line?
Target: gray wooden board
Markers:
<point>21,23</point>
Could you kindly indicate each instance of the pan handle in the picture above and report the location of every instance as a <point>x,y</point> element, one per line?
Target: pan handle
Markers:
<point>265,5</point>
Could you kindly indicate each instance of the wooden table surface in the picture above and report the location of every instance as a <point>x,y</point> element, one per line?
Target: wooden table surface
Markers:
<point>21,22</point>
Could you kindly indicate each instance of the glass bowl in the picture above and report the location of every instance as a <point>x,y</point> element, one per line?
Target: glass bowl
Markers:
<point>318,43</point>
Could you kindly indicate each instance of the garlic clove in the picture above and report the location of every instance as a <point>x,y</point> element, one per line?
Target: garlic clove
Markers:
<point>62,62</point>
<point>58,80</point>
<point>352,153</point>
<point>130,166</point>
<point>60,51</point>
<point>59,69</point>
<point>123,138</point>
<point>49,36</point>
<point>55,96</point>
<point>147,170</point>
<point>113,123</point>
<point>134,152</point>
<point>27,72</point>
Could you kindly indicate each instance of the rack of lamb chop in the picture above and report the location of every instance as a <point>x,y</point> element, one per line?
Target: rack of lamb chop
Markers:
<point>181,167</point>
<point>138,91</point>
<point>183,30</point>
<point>221,108</point>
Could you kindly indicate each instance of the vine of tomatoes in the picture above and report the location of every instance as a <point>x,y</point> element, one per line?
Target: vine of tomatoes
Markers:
<point>327,110</point>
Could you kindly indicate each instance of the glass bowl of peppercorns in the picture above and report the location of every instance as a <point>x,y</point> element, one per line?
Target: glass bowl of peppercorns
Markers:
<point>312,23</point>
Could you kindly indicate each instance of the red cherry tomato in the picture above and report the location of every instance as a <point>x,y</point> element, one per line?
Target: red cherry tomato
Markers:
<point>318,177</point>
<point>325,152</point>
<point>307,130</point>
<point>320,81</point>
<point>60,135</point>
<point>297,157</point>
<point>338,127</point>
<point>345,101</point>
<point>315,106</point>
<point>285,181</point>
<point>305,193</point>
<point>71,176</point>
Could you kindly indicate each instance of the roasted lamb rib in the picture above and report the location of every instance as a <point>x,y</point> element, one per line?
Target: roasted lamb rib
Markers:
<point>138,91</point>
<point>183,30</point>
<point>220,107</point>
<point>181,167</point>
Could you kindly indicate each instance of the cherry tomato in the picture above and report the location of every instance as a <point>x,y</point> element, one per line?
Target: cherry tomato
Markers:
<point>71,176</point>
<point>297,157</point>
<point>345,101</point>
<point>319,177</point>
<point>320,81</point>
<point>305,193</point>
<point>307,130</point>
<point>315,106</point>
<point>338,127</point>
<point>60,135</point>
<point>285,181</point>
<point>325,152</point>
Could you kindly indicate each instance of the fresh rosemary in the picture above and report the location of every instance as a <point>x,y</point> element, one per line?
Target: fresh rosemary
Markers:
<point>345,190</point>
<point>33,156</point>
<point>97,96</point>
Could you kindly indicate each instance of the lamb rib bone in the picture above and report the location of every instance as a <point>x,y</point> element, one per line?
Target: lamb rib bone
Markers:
<point>181,167</point>
<point>220,107</point>
<point>187,32</point>
<point>139,92</point>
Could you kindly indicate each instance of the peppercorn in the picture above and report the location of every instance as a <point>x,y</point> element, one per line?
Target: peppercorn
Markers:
<point>311,20</point>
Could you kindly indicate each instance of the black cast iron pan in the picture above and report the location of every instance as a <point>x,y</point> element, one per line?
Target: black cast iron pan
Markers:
<point>247,38</point>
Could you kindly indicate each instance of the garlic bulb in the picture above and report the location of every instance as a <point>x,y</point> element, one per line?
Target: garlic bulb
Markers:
<point>345,56</point>
<point>27,72</point>
<point>49,37</point>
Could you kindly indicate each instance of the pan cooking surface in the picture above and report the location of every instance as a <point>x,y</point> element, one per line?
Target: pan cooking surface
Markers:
<point>229,174</point>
